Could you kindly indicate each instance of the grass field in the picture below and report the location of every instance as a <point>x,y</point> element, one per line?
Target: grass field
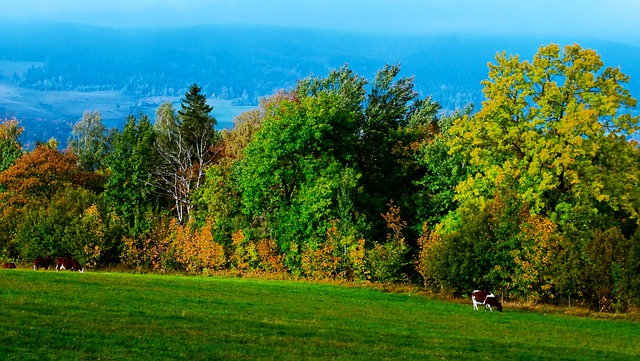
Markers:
<point>46,315</point>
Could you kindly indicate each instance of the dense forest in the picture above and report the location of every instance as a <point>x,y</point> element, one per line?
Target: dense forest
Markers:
<point>533,194</point>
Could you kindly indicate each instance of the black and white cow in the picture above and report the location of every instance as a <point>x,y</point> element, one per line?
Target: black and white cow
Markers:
<point>479,297</point>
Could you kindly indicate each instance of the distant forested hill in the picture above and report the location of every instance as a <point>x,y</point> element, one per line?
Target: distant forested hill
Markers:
<point>242,63</point>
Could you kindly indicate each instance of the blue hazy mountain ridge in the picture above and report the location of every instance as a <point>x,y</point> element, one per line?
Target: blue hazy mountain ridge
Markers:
<point>56,70</point>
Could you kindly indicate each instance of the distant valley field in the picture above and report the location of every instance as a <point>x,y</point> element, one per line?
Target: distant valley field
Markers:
<point>52,113</point>
<point>51,73</point>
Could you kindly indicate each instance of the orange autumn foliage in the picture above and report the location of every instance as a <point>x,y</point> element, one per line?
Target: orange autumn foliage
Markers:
<point>195,248</point>
<point>338,257</point>
<point>37,176</point>
<point>426,262</point>
<point>261,256</point>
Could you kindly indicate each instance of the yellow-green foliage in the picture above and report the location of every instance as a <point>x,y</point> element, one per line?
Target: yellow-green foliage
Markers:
<point>151,249</point>
<point>429,252</point>
<point>385,261</point>
<point>553,169</point>
<point>338,257</point>
<point>194,248</point>
<point>545,128</point>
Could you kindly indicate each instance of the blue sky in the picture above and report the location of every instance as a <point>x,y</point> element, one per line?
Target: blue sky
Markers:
<point>616,20</point>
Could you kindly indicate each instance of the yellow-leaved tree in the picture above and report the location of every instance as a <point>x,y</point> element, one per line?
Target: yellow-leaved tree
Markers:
<point>553,160</point>
<point>554,130</point>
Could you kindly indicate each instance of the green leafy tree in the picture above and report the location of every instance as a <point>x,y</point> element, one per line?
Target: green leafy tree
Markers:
<point>42,229</point>
<point>390,120</point>
<point>247,124</point>
<point>220,197</point>
<point>166,122</point>
<point>89,141</point>
<point>290,173</point>
<point>441,171</point>
<point>71,225</point>
<point>384,153</point>
<point>129,188</point>
<point>10,147</point>
<point>332,150</point>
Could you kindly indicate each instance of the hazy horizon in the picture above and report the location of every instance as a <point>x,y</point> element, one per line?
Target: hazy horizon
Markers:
<point>612,20</point>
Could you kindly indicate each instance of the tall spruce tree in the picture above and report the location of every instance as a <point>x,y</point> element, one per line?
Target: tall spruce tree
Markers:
<point>186,153</point>
<point>196,123</point>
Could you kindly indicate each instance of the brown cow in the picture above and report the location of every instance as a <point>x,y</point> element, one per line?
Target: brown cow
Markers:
<point>43,262</point>
<point>479,297</point>
<point>9,265</point>
<point>68,263</point>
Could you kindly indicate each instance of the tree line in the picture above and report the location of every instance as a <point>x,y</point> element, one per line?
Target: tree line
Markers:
<point>535,195</point>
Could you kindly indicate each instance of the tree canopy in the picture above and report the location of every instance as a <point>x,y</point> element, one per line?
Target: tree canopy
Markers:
<point>553,172</point>
<point>547,128</point>
<point>89,141</point>
<point>10,147</point>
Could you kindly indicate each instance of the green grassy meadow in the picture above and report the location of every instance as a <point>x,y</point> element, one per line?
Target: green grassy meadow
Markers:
<point>46,315</point>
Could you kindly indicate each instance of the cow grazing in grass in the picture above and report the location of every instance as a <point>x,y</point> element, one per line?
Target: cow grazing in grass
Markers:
<point>68,263</point>
<point>43,262</point>
<point>485,298</point>
<point>9,265</point>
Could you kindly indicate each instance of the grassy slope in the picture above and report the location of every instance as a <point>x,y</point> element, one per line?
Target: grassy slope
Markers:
<point>48,315</point>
